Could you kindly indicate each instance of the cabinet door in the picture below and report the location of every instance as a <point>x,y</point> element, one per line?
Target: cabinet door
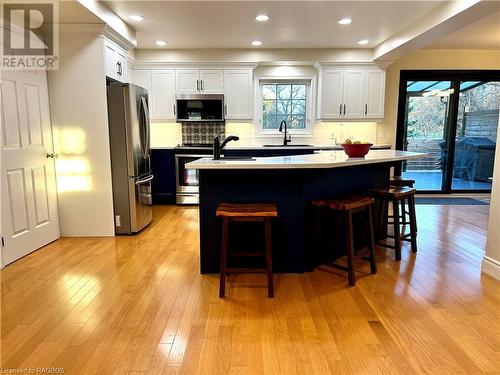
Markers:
<point>110,60</point>
<point>188,81</point>
<point>238,94</point>
<point>143,78</point>
<point>353,104</point>
<point>374,94</point>
<point>331,94</point>
<point>163,94</point>
<point>121,57</point>
<point>211,81</point>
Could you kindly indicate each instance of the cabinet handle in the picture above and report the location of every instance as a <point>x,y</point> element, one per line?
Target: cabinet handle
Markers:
<point>344,109</point>
<point>225,109</point>
<point>201,84</point>
<point>340,110</point>
<point>118,68</point>
<point>198,84</point>
<point>366,109</point>
<point>174,109</point>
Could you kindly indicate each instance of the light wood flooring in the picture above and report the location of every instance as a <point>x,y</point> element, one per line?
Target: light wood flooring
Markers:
<point>138,305</point>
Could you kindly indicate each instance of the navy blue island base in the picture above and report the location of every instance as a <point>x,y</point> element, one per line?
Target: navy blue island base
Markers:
<point>292,190</point>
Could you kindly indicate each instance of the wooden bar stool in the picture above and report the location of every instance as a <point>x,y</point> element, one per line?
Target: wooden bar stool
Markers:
<point>398,181</point>
<point>253,212</point>
<point>397,196</point>
<point>401,182</point>
<point>346,208</point>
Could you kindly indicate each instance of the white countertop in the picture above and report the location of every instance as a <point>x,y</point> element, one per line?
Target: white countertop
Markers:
<point>321,159</point>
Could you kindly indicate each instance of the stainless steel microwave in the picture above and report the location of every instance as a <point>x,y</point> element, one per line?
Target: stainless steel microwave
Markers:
<point>200,108</point>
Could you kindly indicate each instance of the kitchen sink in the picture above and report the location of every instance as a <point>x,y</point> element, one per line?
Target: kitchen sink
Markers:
<point>289,145</point>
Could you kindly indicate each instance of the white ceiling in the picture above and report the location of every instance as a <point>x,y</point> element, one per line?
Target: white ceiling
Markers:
<point>483,34</point>
<point>292,24</point>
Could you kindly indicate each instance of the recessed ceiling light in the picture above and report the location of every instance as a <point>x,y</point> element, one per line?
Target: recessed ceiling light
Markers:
<point>137,18</point>
<point>161,43</point>
<point>363,41</point>
<point>262,18</point>
<point>256,43</point>
<point>345,21</point>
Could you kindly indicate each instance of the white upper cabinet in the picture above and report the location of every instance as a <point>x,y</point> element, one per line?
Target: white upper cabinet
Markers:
<point>374,94</point>
<point>143,78</point>
<point>332,84</point>
<point>115,61</point>
<point>161,91</point>
<point>238,94</point>
<point>163,94</point>
<point>188,81</point>
<point>352,106</point>
<point>352,94</point>
<point>195,81</point>
<point>211,81</point>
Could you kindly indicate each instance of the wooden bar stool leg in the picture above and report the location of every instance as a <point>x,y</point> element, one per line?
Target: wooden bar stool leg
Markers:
<point>397,235</point>
<point>404,220</point>
<point>269,259</point>
<point>371,244</point>
<point>223,258</point>
<point>350,250</point>
<point>413,223</point>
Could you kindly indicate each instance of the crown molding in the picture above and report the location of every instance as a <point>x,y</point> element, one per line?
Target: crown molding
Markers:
<point>81,28</point>
<point>194,65</point>
<point>116,37</point>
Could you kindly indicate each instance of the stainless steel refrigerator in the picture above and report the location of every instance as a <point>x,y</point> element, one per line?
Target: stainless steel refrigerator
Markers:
<point>129,135</point>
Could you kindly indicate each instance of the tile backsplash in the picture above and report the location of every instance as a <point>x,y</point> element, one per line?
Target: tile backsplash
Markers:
<point>201,132</point>
<point>171,134</point>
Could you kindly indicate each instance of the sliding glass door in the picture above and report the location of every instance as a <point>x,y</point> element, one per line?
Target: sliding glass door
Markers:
<point>453,118</point>
<point>427,108</point>
<point>476,135</point>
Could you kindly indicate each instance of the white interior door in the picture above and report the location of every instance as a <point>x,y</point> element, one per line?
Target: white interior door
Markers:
<point>28,188</point>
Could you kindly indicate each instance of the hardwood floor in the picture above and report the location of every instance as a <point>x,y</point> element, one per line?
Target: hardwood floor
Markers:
<point>138,305</point>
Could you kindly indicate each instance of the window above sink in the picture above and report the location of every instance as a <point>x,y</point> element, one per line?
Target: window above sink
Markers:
<point>284,99</point>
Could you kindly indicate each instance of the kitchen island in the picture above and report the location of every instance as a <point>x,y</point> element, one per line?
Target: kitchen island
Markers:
<point>292,182</point>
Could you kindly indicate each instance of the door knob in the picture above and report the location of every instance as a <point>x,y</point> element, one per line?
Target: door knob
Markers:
<point>52,155</point>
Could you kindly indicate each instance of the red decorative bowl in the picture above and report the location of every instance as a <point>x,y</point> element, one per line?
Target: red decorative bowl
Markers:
<point>357,150</point>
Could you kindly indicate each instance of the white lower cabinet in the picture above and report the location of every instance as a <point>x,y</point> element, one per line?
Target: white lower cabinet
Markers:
<point>238,94</point>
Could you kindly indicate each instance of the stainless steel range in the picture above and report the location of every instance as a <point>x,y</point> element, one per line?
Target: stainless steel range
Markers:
<point>187,180</point>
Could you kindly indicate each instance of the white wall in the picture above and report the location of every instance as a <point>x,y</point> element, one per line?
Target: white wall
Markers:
<point>491,260</point>
<point>77,94</point>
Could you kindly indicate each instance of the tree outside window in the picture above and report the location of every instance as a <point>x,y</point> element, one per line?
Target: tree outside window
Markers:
<point>284,101</point>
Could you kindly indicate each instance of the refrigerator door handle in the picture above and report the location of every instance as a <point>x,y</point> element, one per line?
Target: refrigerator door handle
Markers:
<point>145,110</point>
<point>143,181</point>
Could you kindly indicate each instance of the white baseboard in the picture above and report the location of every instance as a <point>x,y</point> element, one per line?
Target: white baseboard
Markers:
<point>491,267</point>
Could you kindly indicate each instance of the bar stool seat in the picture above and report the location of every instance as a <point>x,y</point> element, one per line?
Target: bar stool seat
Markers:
<point>247,210</point>
<point>344,204</point>
<point>399,181</point>
<point>398,197</point>
<point>251,212</point>
<point>347,207</point>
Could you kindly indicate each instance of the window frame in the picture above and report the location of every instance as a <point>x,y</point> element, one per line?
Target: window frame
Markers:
<point>307,131</point>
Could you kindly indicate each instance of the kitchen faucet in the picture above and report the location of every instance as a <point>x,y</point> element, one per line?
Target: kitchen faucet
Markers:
<point>286,139</point>
<point>219,146</point>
